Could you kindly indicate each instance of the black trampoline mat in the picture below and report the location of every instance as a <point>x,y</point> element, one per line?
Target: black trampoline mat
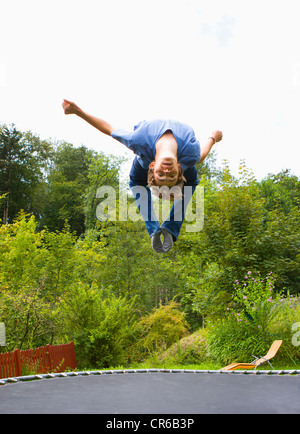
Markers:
<point>154,393</point>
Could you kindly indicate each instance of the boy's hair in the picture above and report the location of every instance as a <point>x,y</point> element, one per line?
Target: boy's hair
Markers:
<point>160,191</point>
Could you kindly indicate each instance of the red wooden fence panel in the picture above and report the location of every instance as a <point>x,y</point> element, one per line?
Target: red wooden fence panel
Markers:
<point>51,358</point>
<point>10,364</point>
<point>35,360</point>
<point>7,365</point>
<point>63,357</point>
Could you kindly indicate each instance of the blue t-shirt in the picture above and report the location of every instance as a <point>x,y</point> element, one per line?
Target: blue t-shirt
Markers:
<point>143,139</point>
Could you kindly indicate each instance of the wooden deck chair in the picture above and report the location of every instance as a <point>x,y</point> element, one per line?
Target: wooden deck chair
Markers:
<point>257,361</point>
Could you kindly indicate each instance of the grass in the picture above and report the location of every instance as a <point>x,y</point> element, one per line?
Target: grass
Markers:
<point>200,366</point>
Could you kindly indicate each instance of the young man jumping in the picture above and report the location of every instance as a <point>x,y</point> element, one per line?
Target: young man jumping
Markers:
<point>166,155</point>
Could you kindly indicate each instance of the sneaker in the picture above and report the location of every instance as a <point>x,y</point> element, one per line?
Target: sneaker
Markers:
<point>168,241</point>
<point>156,243</point>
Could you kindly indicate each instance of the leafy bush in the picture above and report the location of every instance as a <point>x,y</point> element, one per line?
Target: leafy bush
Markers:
<point>257,316</point>
<point>100,324</point>
<point>28,319</point>
<point>189,350</point>
<point>159,330</point>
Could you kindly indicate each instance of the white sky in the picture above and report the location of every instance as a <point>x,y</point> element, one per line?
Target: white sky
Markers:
<point>214,64</point>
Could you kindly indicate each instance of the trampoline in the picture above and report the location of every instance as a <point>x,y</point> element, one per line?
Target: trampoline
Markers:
<point>153,392</point>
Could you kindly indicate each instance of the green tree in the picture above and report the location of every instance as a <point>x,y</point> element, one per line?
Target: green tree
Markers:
<point>135,269</point>
<point>28,318</point>
<point>66,185</point>
<point>209,168</point>
<point>24,160</point>
<point>205,293</point>
<point>280,191</point>
<point>104,170</point>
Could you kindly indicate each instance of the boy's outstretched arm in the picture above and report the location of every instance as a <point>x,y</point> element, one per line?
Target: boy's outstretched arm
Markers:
<point>205,150</point>
<point>70,108</point>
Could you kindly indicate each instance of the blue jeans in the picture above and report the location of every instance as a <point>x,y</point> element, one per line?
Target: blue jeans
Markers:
<point>143,198</point>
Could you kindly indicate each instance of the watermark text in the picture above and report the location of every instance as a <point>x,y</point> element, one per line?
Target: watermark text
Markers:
<point>2,335</point>
<point>176,205</point>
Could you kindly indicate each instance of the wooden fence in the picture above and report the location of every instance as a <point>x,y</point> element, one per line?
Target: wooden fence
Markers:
<point>51,358</point>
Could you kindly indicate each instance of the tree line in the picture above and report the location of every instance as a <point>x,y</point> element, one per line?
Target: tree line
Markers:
<point>66,275</point>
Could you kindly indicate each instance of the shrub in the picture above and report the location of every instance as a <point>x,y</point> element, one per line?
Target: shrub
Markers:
<point>160,329</point>
<point>99,323</point>
<point>191,349</point>
<point>256,317</point>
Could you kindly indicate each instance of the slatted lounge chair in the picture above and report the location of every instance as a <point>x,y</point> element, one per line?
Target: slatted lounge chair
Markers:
<point>258,359</point>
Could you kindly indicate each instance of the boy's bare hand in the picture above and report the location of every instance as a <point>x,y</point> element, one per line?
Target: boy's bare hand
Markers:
<point>217,135</point>
<point>69,107</point>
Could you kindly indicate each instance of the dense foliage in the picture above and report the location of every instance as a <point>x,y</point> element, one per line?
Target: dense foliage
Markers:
<point>64,275</point>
